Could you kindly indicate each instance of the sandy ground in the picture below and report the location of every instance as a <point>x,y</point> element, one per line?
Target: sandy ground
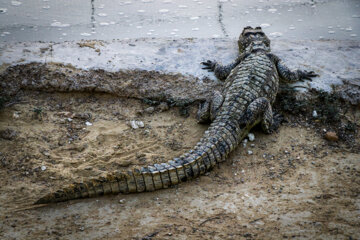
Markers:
<point>294,185</point>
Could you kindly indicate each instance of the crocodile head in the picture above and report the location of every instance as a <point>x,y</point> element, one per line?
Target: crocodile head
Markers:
<point>253,39</point>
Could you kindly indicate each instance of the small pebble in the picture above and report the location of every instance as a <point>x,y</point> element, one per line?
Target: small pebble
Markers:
<point>244,142</point>
<point>250,152</point>
<point>88,123</point>
<point>314,114</point>
<point>122,201</point>
<point>43,168</point>
<point>251,137</point>
<point>15,115</point>
<point>136,124</point>
<point>149,110</point>
<point>331,136</point>
<point>133,124</point>
<point>140,124</point>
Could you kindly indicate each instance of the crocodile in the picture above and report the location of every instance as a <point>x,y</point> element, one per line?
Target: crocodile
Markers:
<point>251,83</point>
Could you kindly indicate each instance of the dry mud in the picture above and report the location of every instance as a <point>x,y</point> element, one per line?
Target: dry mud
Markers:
<point>295,184</point>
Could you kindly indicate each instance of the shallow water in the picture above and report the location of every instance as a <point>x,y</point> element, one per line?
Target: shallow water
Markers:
<point>61,20</point>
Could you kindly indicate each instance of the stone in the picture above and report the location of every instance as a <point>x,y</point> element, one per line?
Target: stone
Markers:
<point>314,114</point>
<point>84,116</point>
<point>140,124</point>
<point>133,124</point>
<point>331,136</point>
<point>251,137</point>
<point>149,110</point>
<point>15,115</point>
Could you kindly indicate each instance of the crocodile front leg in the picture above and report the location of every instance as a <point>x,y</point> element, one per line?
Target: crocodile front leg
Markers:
<point>222,71</point>
<point>288,75</point>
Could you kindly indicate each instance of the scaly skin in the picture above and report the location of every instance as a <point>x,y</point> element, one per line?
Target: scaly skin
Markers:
<point>251,85</point>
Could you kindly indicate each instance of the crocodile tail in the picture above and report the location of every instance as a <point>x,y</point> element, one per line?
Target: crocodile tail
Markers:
<point>113,183</point>
<point>217,143</point>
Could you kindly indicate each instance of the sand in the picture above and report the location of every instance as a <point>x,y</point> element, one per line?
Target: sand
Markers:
<point>295,184</point>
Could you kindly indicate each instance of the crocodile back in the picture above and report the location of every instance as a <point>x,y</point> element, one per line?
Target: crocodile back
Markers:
<point>256,76</point>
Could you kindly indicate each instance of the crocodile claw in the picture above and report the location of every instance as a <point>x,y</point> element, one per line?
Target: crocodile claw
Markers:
<point>277,120</point>
<point>308,75</point>
<point>209,65</point>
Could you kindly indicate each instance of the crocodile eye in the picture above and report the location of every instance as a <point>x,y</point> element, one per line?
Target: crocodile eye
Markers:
<point>248,34</point>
